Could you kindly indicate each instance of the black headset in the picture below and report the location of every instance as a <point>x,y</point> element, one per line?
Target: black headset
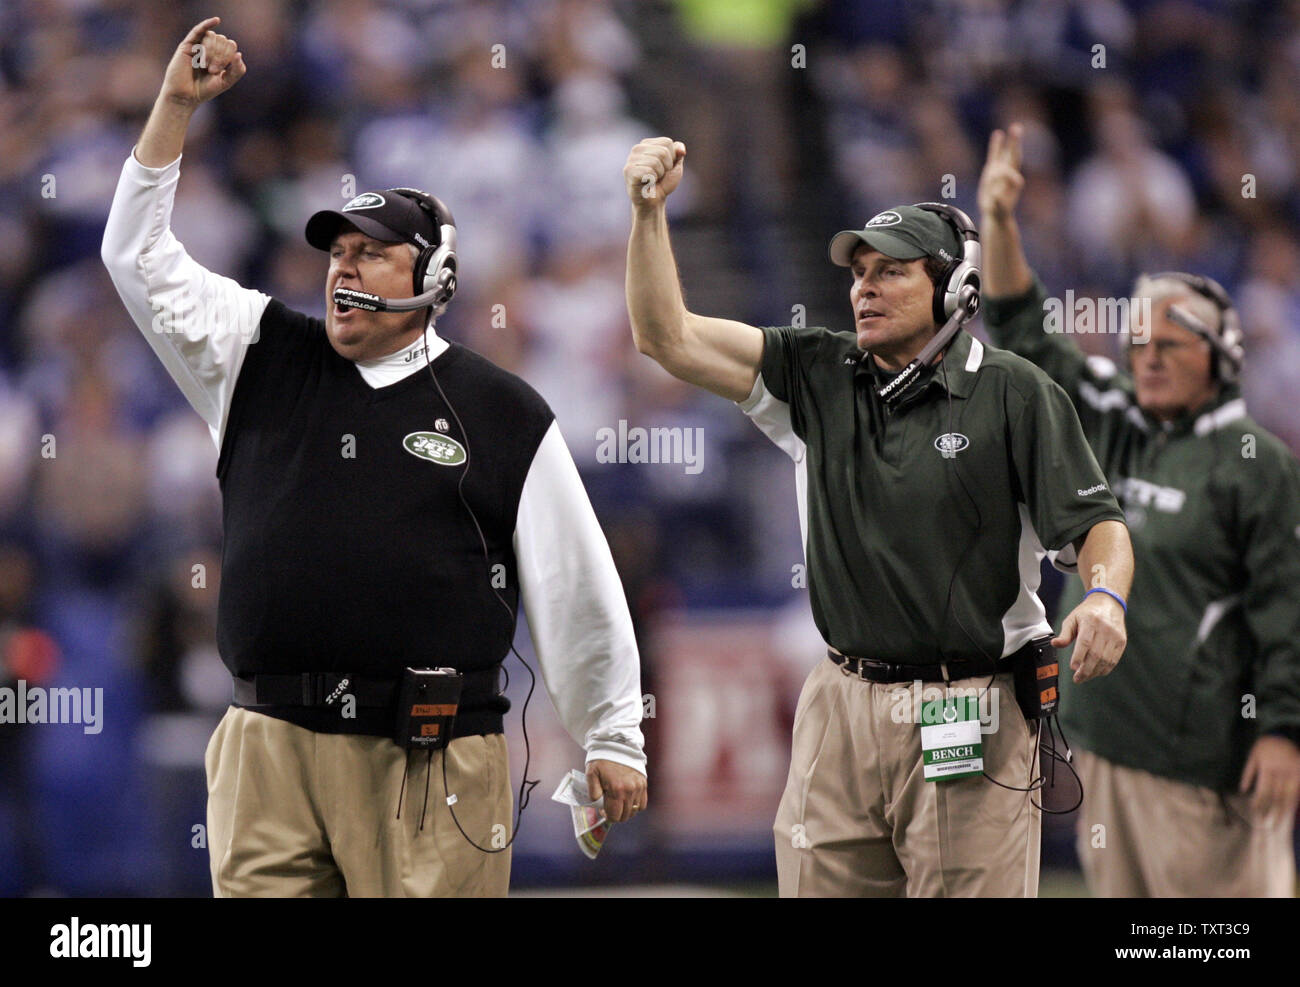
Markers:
<point>959,286</point>
<point>1227,340</point>
<point>435,267</point>
<point>956,297</point>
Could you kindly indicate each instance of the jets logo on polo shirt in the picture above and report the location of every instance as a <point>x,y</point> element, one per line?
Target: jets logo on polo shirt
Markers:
<point>951,443</point>
<point>440,449</point>
<point>366,200</point>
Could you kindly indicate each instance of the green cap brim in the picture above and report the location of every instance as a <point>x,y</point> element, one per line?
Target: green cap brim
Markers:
<point>846,242</point>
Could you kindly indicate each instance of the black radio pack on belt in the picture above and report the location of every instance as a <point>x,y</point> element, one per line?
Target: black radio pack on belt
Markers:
<point>427,699</point>
<point>1036,676</point>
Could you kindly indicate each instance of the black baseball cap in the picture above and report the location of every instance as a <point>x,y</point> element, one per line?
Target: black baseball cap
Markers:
<point>388,216</point>
<point>904,233</point>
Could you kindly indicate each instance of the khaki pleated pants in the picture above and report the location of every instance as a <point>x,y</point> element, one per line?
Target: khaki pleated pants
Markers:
<point>857,818</point>
<point>295,813</point>
<point>1143,836</point>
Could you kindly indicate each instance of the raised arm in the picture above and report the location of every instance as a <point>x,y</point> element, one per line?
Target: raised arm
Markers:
<point>204,65</point>
<point>198,323</point>
<point>1013,299</point>
<point>1005,269</point>
<point>720,355</point>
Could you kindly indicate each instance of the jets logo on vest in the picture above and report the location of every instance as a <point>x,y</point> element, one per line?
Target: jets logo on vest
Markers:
<point>440,449</point>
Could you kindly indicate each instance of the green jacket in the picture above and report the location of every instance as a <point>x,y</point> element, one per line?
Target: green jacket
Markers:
<point>1213,506</point>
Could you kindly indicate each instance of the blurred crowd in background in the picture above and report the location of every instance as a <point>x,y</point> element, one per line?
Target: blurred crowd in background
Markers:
<point>1180,150</point>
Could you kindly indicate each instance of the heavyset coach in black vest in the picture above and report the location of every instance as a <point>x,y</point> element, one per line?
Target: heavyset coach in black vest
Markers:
<point>388,498</point>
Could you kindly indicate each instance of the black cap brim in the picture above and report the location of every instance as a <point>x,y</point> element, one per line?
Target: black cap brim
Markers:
<point>323,227</point>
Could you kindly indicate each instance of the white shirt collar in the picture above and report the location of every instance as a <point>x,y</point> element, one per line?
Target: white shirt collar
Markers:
<point>1227,412</point>
<point>397,366</point>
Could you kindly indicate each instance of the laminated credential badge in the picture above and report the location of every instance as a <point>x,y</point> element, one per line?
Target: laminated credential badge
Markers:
<point>950,738</point>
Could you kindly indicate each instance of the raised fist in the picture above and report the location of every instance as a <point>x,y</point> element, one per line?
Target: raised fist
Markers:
<point>1001,181</point>
<point>204,65</point>
<point>653,169</point>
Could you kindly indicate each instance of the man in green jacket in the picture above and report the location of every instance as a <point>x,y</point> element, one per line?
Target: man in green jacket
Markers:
<point>1190,767</point>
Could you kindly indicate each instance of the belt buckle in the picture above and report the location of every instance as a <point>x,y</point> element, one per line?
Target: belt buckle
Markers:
<point>848,673</point>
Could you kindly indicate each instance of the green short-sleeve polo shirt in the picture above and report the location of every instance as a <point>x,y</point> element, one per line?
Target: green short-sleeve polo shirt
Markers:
<point>924,525</point>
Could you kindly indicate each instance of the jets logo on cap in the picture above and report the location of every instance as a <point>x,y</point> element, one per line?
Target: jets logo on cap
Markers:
<point>366,200</point>
<point>886,218</point>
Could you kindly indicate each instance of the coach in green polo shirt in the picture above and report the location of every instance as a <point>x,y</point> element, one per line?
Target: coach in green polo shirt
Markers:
<point>933,475</point>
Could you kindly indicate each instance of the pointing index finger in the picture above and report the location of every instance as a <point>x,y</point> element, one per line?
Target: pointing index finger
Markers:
<point>200,29</point>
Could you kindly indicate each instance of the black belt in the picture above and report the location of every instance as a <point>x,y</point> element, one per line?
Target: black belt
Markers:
<point>872,670</point>
<point>327,688</point>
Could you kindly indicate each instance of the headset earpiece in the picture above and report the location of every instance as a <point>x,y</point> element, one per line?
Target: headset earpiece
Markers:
<point>435,267</point>
<point>959,286</point>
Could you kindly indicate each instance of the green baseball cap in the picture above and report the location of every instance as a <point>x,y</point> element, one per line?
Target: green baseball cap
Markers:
<point>904,233</point>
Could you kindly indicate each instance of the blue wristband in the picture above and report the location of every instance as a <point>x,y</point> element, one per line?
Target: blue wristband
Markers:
<point>1111,593</point>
